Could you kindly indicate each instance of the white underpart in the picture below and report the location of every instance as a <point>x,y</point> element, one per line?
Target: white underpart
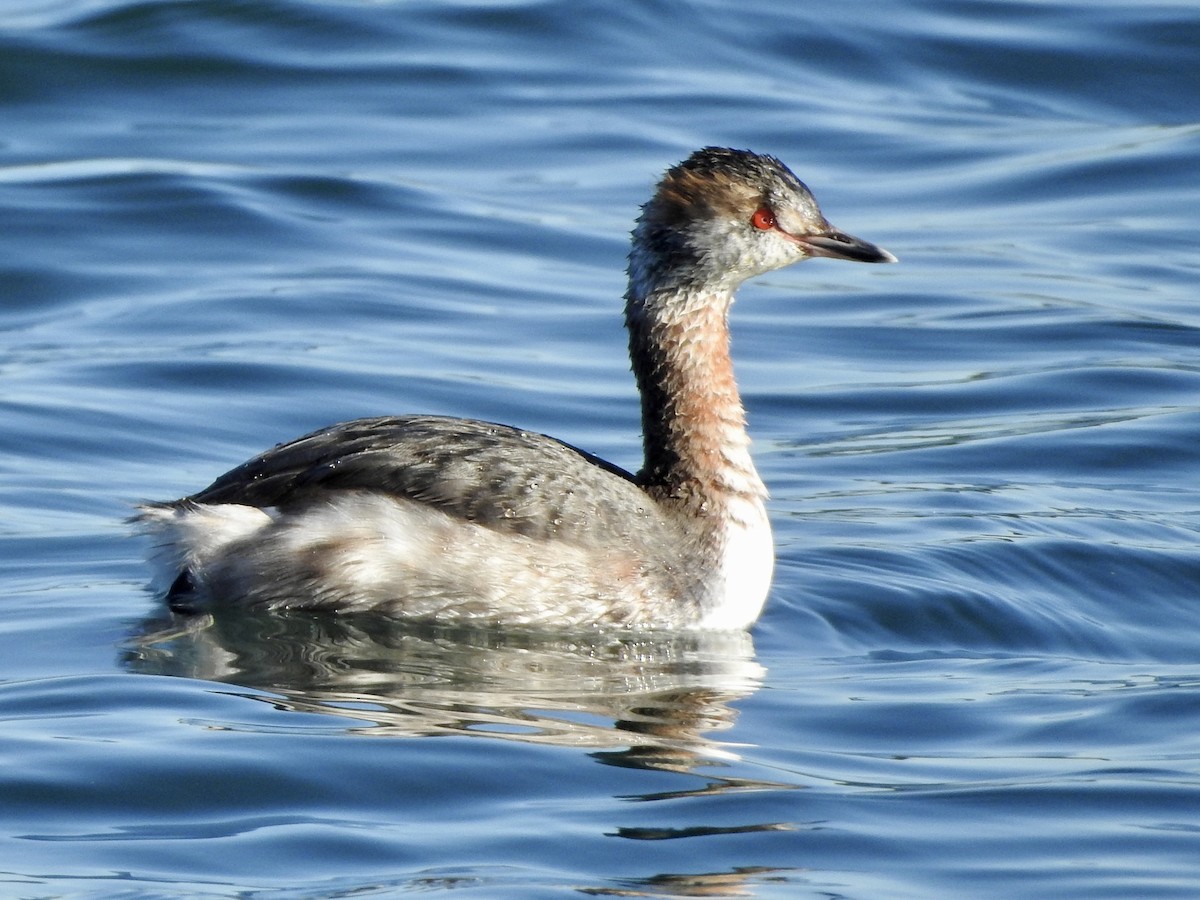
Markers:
<point>748,555</point>
<point>380,539</point>
<point>373,549</point>
<point>189,538</point>
<point>745,573</point>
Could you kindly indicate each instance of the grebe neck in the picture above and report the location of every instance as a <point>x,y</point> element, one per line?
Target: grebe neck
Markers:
<point>693,423</point>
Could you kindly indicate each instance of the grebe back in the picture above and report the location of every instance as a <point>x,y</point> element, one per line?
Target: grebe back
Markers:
<point>464,521</point>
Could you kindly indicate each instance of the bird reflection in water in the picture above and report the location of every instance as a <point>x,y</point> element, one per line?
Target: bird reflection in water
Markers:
<point>635,700</point>
<point>646,699</point>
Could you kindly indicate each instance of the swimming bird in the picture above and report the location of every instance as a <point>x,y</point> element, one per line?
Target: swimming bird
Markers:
<point>470,522</point>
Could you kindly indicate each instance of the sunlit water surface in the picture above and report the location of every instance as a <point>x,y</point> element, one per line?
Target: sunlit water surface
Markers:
<point>978,675</point>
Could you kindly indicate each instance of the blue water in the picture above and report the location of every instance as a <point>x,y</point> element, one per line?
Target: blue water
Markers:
<point>228,222</point>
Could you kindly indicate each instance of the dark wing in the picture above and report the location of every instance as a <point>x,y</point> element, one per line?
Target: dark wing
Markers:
<point>498,476</point>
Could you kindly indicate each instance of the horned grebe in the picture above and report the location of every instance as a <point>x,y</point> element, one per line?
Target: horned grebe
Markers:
<point>465,521</point>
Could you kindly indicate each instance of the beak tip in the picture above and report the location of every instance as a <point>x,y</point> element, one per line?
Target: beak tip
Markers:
<point>839,245</point>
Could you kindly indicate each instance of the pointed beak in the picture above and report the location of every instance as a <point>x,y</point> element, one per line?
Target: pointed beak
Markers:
<point>836,245</point>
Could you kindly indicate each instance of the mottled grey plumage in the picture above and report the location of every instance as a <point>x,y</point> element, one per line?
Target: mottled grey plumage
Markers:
<point>495,475</point>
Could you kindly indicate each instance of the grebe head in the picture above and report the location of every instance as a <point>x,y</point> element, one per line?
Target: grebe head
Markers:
<point>722,216</point>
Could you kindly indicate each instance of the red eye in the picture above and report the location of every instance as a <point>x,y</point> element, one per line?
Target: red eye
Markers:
<point>763,218</point>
